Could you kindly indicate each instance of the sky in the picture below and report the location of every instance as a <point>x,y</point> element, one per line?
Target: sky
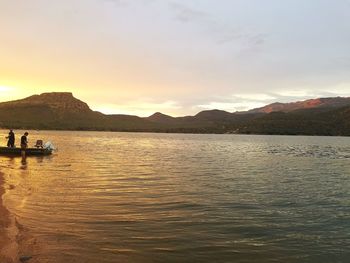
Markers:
<point>177,57</point>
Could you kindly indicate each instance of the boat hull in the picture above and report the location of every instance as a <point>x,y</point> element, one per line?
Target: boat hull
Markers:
<point>29,151</point>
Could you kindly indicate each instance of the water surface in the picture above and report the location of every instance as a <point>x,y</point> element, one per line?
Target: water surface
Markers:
<point>136,197</point>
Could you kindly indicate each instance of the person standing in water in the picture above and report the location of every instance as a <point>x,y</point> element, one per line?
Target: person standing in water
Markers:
<point>11,139</point>
<point>24,144</point>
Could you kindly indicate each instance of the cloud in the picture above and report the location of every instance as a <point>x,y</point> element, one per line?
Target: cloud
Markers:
<point>256,97</point>
<point>227,34</point>
<point>247,101</point>
<point>126,3</point>
<point>117,2</point>
<point>186,14</point>
<point>221,32</point>
<point>342,89</point>
<point>231,107</point>
<point>237,102</point>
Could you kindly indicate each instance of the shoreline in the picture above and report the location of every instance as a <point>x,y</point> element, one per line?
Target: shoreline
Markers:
<point>16,243</point>
<point>9,249</point>
<point>181,132</point>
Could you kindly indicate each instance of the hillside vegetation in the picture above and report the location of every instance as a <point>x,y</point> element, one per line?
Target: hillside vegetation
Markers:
<point>61,111</point>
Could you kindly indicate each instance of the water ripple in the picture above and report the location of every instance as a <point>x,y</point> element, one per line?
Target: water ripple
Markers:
<point>124,197</point>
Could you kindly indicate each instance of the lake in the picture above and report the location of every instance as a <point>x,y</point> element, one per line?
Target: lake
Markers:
<point>139,197</point>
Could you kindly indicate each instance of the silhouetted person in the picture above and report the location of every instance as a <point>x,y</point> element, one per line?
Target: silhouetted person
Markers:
<point>24,145</point>
<point>11,139</point>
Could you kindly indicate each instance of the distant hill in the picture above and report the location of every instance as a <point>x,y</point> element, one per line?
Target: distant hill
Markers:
<point>57,101</point>
<point>160,118</point>
<point>62,111</point>
<point>331,122</point>
<point>301,105</point>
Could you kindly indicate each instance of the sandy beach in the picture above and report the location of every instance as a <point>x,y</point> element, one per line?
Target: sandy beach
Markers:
<point>8,230</point>
<point>16,244</point>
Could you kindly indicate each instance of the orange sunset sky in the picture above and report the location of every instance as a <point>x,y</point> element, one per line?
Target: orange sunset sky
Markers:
<point>178,57</point>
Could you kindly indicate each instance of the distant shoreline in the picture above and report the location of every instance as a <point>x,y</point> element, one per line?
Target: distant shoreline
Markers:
<point>174,132</point>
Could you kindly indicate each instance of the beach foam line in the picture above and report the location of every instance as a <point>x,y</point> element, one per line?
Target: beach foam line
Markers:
<point>9,249</point>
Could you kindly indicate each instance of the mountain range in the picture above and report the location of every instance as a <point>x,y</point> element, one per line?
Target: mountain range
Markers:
<point>62,111</point>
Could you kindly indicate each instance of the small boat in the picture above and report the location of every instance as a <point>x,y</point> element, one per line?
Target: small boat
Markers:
<point>29,151</point>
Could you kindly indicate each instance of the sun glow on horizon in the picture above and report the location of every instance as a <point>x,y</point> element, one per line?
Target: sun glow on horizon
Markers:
<point>8,93</point>
<point>141,109</point>
<point>4,88</point>
<point>15,91</point>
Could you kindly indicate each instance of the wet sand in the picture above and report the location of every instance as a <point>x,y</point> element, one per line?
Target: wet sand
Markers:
<point>16,245</point>
<point>8,230</point>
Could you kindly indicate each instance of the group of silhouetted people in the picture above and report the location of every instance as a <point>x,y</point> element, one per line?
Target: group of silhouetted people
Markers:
<point>24,143</point>
<point>11,140</point>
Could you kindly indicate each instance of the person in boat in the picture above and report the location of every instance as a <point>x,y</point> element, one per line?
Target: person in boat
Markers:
<point>11,139</point>
<point>24,144</point>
